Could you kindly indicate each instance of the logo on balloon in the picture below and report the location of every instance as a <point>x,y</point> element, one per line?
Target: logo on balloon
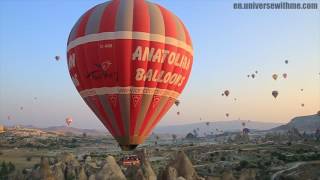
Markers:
<point>101,71</point>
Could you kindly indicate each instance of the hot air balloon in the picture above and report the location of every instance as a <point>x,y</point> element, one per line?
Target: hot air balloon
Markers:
<point>222,94</point>
<point>286,61</point>
<point>248,75</point>
<point>256,72</point>
<point>227,114</point>
<point>275,94</point>
<point>302,105</point>
<point>177,102</point>
<point>284,75</point>
<point>226,92</point>
<point>245,130</point>
<point>130,61</point>
<point>243,124</point>
<point>57,58</point>
<point>178,113</point>
<point>253,75</point>
<point>235,99</point>
<point>301,89</point>
<point>21,108</point>
<point>275,76</point>
<point>69,120</point>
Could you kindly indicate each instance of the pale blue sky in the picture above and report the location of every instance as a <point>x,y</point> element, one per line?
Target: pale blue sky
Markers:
<point>228,45</point>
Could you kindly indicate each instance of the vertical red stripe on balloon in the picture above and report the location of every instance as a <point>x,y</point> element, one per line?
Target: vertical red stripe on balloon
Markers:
<point>159,117</point>
<point>186,32</point>
<point>113,100</point>
<point>141,20</point>
<point>82,26</point>
<point>92,106</point>
<point>104,115</point>
<point>135,107</point>
<point>169,22</point>
<point>123,52</point>
<point>108,18</point>
<point>141,23</point>
<point>151,110</point>
<point>81,67</point>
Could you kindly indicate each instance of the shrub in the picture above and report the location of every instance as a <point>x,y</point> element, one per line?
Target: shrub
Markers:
<point>29,158</point>
<point>243,164</point>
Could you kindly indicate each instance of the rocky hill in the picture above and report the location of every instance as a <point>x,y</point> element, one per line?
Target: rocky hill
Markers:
<point>75,131</point>
<point>215,127</point>
<point>303,123</point>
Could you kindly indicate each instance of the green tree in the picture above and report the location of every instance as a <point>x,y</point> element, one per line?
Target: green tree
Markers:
<point>4,170</point>
<point>11,167</point>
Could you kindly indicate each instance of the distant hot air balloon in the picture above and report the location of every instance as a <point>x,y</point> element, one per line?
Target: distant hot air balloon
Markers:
<point>57,58</point>
<point>178,113</point>
<point>256,72</point>
<point>286,61</point>
<point>21,108</point>
<point>69,120</point>
<point>226,92</point>
<point>275,76</point>
<point>227,114</point>
<point>245,131</point>
<point>177,102</point>
<point>235,99</point>
<point>248,75</point>
<point>253,75</point>
<point>243,124</point>
<point>275,94</point>
<point>129,60</point>
<point>302,104</point>
<point>284,75</point>
<point>301,89</point>
<point>222,94</point>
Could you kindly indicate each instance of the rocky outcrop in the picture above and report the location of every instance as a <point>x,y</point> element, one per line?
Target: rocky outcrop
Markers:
<point>110,171</point>
<point>45,171</point>
<point>181,166</point>
<point>57,172</point>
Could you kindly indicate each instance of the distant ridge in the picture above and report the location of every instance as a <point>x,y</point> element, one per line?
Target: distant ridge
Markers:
<point>303,123</point>
<point>76,131</point>
<point>233,125</point>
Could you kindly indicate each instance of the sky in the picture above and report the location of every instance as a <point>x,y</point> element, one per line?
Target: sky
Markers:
<point>228,45</point>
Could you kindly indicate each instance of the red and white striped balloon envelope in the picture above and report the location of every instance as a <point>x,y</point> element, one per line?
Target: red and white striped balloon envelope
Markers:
<point>129,60</point>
